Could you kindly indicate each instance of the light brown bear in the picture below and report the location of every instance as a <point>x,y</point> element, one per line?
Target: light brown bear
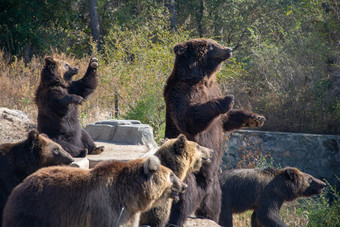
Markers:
<point>18,160</point>
<point>111,194</point>
<point>264,191</point>
<point>182,157</point>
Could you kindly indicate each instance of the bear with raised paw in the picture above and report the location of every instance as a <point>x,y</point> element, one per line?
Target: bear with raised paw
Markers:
<point>58,97</point>
<point>196,108</point>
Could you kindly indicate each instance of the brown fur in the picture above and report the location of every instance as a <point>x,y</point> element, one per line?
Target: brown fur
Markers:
<point>263,191</point>
<point>112,194</point>
<point>196,108</point>
<point>18,160</point>
<point>182,157</point>
<point>57,98</point>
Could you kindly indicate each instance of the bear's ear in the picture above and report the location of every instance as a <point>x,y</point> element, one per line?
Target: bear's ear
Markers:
<point>179,145</point>
<point>163,141</point>
<point>151,165</point>
<point>49,60</point>
<point>33,135</point>
<point>290,174</point>
<point>179,49</point>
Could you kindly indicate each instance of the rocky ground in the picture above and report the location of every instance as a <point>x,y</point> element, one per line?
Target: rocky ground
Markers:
<point>14,125</point>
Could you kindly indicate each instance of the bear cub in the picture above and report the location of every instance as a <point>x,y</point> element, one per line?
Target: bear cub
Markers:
<point>113,193</point>
<point>264,191</point>
<point>18,160</point>
<point>57,98</point>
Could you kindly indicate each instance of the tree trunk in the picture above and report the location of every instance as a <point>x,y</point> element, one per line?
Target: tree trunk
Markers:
<point>172,10</point>
<point>94,24</point>
<point>199,16</point>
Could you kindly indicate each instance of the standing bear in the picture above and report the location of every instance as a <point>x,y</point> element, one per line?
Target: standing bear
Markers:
<point>58,97</point>
<point>264,191</point>
<point>182,157</point>
<point>18,160</point>
<point>196,108</point>
<point>112,194</point>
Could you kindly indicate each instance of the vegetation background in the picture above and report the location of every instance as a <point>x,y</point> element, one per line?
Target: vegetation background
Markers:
<point>286,62</point>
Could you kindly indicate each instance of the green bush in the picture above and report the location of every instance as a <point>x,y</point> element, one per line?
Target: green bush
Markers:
<point>323,210</point>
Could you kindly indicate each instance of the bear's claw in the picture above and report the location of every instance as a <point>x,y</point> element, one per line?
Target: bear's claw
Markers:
<point>98,150</point>
<point>254,121</point>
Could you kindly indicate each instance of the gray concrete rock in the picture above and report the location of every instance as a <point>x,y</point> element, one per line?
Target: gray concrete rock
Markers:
<point>15,116</point>
<point>130,132</point>
<point>123,140</point>
<point>318,155</point>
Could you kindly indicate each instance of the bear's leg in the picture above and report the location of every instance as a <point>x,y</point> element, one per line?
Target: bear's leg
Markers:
<point>268,214</point>
<point>226,215</point>
<point>253,220</point>
<point>211,204</point>
<point>89,144</point>
<point>187,204</point>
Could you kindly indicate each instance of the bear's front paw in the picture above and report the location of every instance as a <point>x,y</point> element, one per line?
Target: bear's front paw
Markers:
<point>254,121</point>
<point>77,99</point>
<point>227,103</point>
<point>94,63</point>
<point>98,150</point>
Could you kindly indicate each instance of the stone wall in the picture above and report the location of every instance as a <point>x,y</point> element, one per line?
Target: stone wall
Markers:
<point>318,155</point>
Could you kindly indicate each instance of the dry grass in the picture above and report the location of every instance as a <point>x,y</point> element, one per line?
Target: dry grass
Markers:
<point>18,82</point>
<point>288,214</point>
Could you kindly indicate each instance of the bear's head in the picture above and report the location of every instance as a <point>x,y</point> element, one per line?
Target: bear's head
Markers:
<point>183,156</point>
<point>57,71</point>
<point>198,58</point>
<point>302,184</point>
<point>42,152</point>
<point>160,183</point>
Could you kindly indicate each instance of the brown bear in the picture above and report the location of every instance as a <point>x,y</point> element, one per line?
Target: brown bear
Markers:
<point>182,157</point>
<point>196,108</point>
<point>18,160</point>
<point>264,191</point>
<point>113,193</point>
<point>58,97</point>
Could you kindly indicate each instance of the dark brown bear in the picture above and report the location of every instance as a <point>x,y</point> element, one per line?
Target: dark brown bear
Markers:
<point>111,194</point>
<point>196,108</point>
<point>264,191</point>
<point>18,160</point>
<point>58,97</point>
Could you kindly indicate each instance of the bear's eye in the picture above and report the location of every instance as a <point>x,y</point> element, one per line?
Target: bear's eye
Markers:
<point>56,150</point>
<point>310,180</point>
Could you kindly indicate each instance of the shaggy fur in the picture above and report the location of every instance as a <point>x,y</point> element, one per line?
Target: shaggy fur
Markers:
<point>264,191</point>
<point>18,160</point>
<point>196,108</point>
<point>182,157</point>
<point>112,194</point>
<point>58,97</point>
